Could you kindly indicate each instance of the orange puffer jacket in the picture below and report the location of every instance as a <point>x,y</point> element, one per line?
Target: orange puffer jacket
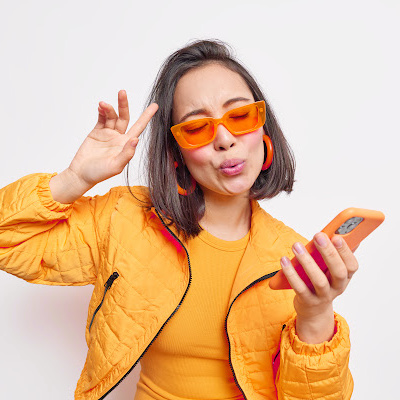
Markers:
<point>141,275</point>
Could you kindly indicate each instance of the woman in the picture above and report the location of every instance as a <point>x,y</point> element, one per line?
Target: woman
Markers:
<point>181,268</point>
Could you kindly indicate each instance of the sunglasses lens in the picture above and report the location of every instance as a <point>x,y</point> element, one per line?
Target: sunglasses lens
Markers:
<point>238,121</point>
<point>243,120</point>
<point>197,132</point>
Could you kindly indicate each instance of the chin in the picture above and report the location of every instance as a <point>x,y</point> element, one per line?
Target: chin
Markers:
<point>233,187</point>
<point>237,189</point>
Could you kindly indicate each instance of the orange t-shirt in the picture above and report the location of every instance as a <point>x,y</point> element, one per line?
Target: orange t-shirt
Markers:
<point>189,358</point>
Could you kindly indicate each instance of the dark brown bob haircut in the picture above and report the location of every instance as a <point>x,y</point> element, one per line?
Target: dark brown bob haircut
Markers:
<point>162,150</point>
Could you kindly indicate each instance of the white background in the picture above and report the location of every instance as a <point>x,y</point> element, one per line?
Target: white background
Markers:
<point>330,70</point>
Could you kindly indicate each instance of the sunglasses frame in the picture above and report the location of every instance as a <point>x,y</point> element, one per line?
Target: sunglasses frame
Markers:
<point>176,129</point>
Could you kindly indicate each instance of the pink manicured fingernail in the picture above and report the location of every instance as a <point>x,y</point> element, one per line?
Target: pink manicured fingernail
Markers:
<point>321,239</point>
<point>285,262</point>
<point>298,248</point>
<point>337,242</point>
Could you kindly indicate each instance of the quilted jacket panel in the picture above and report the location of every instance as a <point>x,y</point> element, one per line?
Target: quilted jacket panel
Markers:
<point>111,236</point>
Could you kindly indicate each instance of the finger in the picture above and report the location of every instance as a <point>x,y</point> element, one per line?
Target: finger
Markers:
<point>317,277</point>
<point>346,255</point>
<point>126,154</point>
<point>335,264</point>
<point>111,115</point>
<point>123,111</point>
<point>101,119</point>
<point>139,126</point>
<point>297,284</point>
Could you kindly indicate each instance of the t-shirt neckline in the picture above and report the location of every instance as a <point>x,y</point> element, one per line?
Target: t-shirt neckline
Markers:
<point>227,245</point>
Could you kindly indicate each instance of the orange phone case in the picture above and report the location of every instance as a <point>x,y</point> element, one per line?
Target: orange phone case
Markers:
<point>344,222</point>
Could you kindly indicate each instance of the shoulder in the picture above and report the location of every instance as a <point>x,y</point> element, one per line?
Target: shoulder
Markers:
<point>141,191</point>
<point>129,202</point>
<point>282,232</point>
<point>134,195</point>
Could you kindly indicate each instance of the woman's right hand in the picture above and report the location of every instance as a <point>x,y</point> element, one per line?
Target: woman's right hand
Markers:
<point>107,149</point>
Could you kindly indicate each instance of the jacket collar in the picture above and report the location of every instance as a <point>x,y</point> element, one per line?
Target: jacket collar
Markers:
<point>261,256</point>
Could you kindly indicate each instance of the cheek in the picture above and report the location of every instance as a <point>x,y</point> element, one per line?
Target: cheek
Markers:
<point>198,163</point>
<point>255,145</point>
<point>254,140</point>
<point>196,157</point>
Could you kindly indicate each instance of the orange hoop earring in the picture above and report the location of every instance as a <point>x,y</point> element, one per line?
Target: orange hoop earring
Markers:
<point>270,152</point>
<point>181,191</point>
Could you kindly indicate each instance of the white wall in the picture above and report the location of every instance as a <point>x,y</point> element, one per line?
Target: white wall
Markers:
<point>331,72</point>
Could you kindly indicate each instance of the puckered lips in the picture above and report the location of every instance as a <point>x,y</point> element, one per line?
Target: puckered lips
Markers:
<point>232,166</point>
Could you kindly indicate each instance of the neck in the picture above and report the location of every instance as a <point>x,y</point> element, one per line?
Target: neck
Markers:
<point>227,217</point>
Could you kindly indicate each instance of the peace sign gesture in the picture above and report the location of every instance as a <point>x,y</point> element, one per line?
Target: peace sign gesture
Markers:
<point>107,149</point>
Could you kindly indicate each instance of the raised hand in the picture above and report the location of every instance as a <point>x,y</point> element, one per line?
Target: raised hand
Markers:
<point>107,149</point>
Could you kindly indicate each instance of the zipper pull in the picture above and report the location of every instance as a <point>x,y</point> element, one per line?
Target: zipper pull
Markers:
<point>283,327</point>
<point>111,279</point>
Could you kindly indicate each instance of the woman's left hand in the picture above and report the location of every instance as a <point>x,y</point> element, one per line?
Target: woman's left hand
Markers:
<point>315,310</point>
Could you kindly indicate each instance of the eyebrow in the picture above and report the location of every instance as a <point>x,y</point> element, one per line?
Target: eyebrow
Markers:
<point>203,110</point>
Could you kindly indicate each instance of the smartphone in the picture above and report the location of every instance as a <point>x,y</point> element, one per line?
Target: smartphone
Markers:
<point>352,224</point>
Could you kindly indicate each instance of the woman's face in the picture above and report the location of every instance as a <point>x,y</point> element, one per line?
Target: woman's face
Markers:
<point>209,87</point>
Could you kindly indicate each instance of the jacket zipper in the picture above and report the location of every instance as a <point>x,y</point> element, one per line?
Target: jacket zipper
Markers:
<point>162,327</point>
<point>107,286</point>
<point>176,309</point>
<point>277,354</point>
<point>226,324</point>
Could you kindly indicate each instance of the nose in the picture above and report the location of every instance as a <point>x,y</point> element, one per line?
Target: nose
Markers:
<point>224,139</point>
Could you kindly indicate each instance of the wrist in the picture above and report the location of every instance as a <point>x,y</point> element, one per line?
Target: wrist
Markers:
<point>318,329</point>
<point>66,187</point>
<point>79,185</point>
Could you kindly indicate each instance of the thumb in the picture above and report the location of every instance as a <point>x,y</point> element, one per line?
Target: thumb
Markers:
<point>127,152</point>
<point>133,143</point>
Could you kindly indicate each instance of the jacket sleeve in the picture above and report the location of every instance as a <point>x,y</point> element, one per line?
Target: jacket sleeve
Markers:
<point>314,371</point>
<point>46,242</point>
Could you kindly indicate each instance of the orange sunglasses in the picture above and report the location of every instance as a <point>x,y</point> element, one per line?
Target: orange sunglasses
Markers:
<point>238,121</point>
